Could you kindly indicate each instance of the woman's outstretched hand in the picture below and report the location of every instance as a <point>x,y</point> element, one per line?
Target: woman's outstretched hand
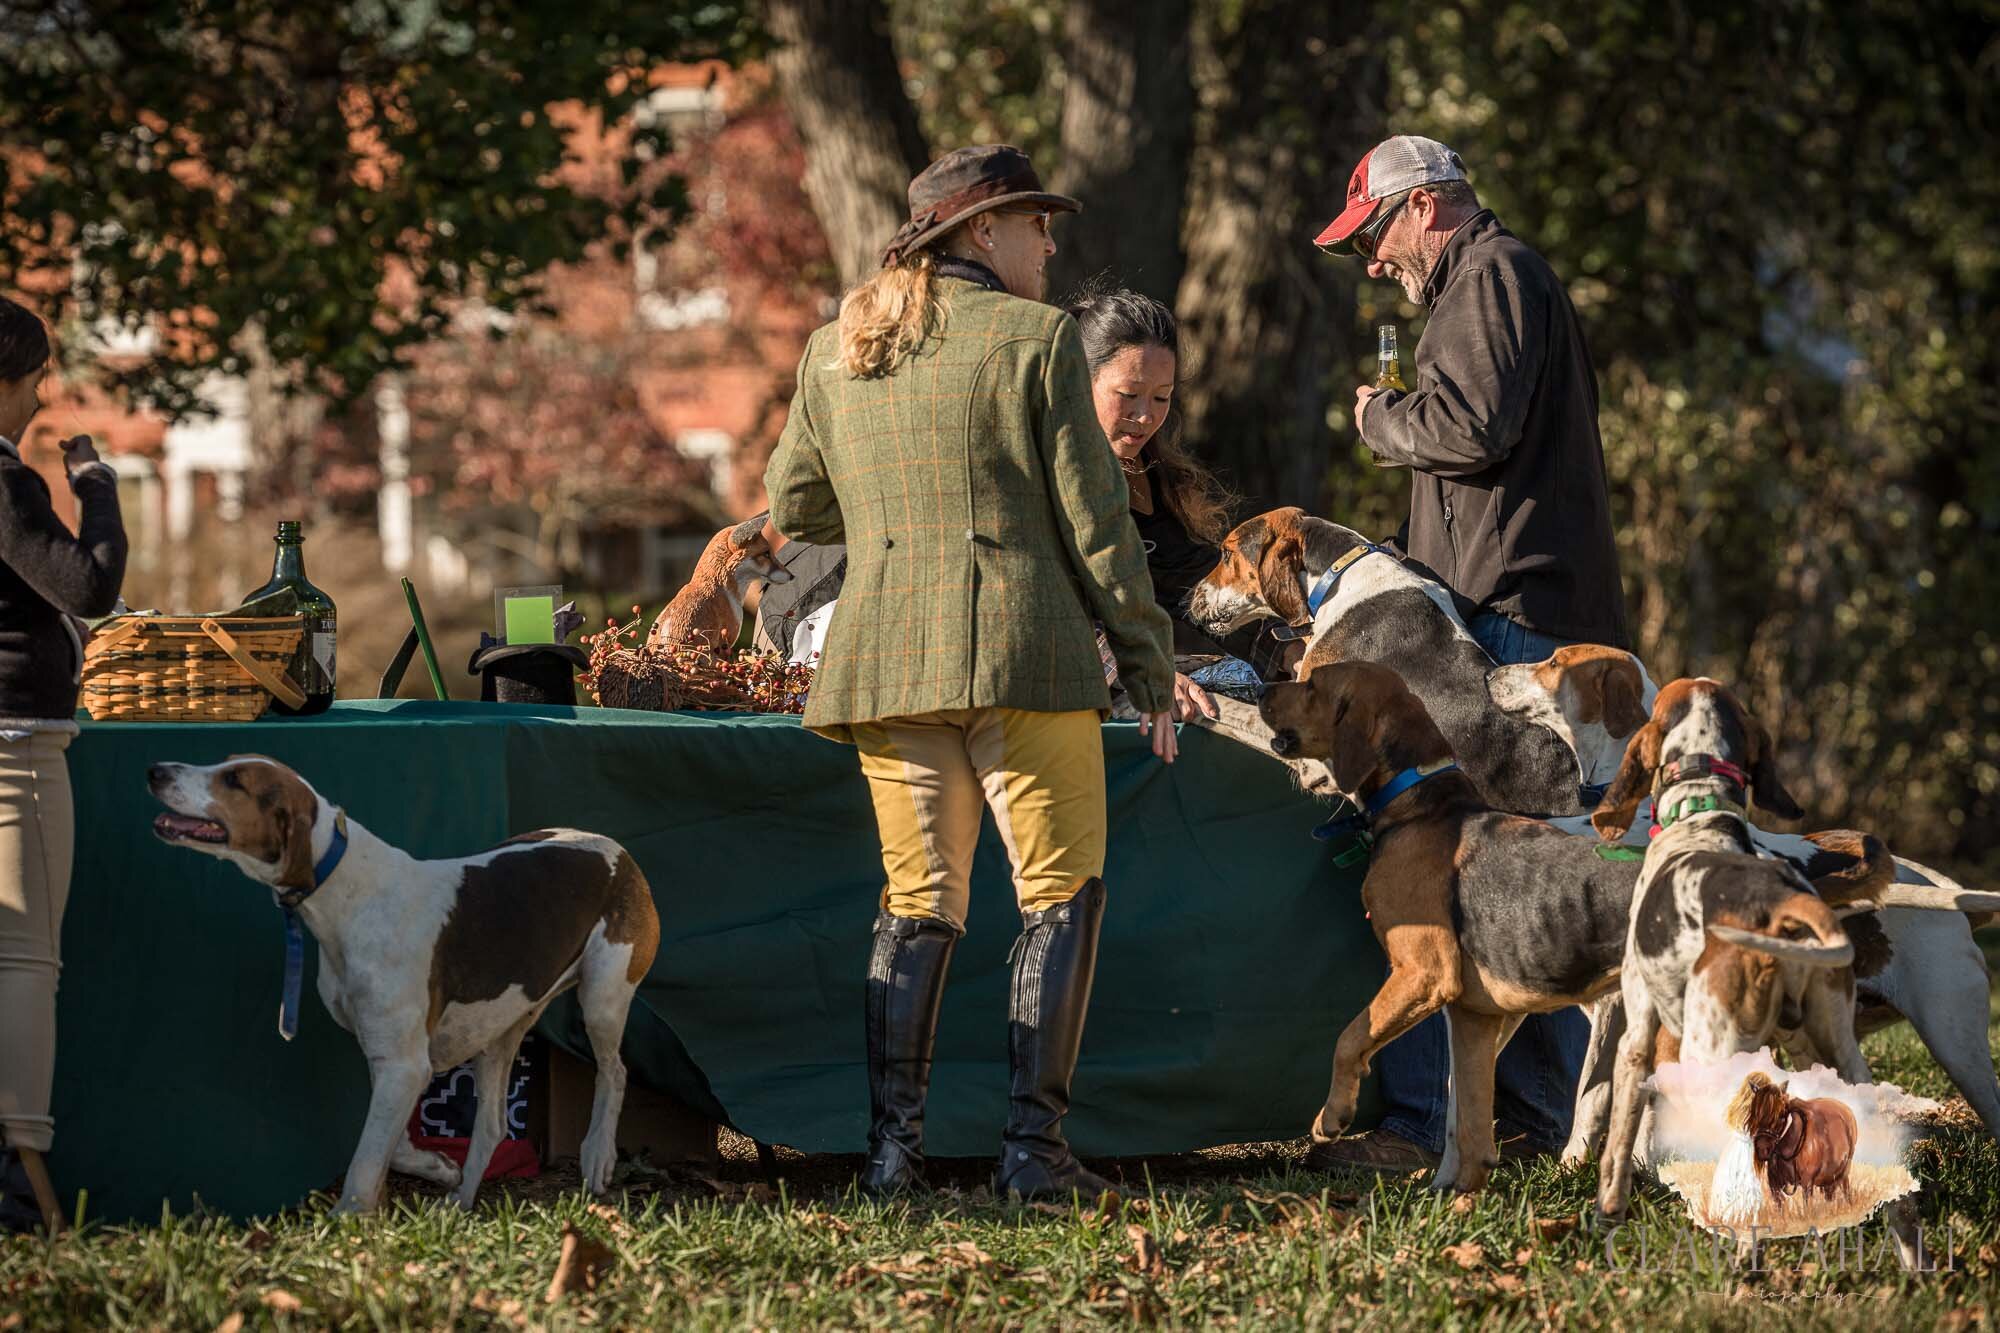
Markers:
<point>1191,700</point>
<point>1160,726</point>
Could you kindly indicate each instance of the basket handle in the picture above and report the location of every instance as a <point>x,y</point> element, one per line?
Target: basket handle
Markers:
<point>290,695</point>
<point>116,634</point>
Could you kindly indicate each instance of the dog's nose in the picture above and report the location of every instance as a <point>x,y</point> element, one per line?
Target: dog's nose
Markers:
<point>1284,742</point>
<point>159,775</point>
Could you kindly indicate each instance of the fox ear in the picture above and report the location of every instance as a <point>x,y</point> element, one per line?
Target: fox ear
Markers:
<point>1634,780</point>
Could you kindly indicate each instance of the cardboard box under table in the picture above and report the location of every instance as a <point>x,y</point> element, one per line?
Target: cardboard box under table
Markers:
<point>1233,950</point>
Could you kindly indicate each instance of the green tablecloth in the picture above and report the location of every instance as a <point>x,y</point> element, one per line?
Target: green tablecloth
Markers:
<point>1232,953</point>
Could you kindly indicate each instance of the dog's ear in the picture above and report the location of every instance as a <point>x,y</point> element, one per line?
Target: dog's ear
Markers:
<point>1765,787</point>
<point>1620,685</point>
<point>1353,724</point>
<point>1278,577</point>
<point>1629,787</point>
<point>293,816</point>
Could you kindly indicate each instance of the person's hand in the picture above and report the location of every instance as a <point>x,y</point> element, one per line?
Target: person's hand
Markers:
<point>1190,699</point>
<point>1361,396</point>
<point>1289,656</point>
<point>1160,726</point>
<point>78,452</point>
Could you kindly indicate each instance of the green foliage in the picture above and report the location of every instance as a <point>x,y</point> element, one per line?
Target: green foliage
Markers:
<point>984,73</point>
<point>340,176</point>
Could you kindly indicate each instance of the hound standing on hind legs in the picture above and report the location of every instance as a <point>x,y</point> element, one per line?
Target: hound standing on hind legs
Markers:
<point>432,963</point>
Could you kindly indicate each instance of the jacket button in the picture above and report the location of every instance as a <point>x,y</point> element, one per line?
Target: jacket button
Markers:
<point>888,542</point>
<point>971,536</point>
<point>1447,513</point>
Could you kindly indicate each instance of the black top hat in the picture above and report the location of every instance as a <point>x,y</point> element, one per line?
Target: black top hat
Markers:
<point>527,673</point>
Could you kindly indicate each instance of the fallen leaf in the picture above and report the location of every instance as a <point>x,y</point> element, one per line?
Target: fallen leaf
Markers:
<point>282,1301</point>
<point>1522,1258</point>
<point>1552,1228</point>
<point>967,1254</point>
<point>1464,1204</point>
<point>1145,1251</point>
<point>229,1325</point>
<point>257,1240</point>
<point>1509,1282</point>
<point>1467,1254</point>
<point>414,1269</point>
<point>582,1262</point>
<point>609,1216</point>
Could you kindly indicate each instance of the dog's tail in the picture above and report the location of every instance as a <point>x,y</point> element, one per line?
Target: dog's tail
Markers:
<point>1802,930</point>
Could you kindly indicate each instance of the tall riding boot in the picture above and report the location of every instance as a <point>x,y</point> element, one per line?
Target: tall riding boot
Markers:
<point>1053,963</point>
<point>905,985</point>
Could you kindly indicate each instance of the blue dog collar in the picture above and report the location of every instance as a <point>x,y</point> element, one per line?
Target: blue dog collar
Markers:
<point>295,940</point>
<point>1351,829</point>
<point>1323,588</point>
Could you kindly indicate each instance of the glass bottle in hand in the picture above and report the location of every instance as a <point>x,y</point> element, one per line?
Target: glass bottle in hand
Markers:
<point>312,669</point>
<point>1388,365</point>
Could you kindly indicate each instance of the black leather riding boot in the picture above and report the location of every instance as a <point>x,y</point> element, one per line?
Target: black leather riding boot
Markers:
<point>905,985</point>
<point>1053,963</point>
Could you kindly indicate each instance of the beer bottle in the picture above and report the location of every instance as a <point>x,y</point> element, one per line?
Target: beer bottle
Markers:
<point>312,669</point>
<point>1388,366</point>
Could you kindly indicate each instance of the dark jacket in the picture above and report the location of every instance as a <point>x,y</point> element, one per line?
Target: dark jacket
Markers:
<point>47,574</point>
<point>1178,560</point>
<point>816,575</point>
<point>1508,501</point>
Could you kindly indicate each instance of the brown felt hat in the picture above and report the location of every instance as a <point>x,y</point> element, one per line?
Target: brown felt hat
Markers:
<point>966,182</point>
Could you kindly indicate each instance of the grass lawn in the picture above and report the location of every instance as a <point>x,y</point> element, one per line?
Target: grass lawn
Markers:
<point>1229,1237</point>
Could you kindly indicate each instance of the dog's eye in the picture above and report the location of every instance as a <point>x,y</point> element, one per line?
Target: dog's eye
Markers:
<point>229,779</point>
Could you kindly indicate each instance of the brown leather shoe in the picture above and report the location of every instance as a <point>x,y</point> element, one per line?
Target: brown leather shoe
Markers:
<point>1378,1150</point>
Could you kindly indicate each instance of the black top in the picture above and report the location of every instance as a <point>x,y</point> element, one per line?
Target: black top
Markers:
<point>1178,560</point>
<point>47,574</point>
<point>1508,501</point>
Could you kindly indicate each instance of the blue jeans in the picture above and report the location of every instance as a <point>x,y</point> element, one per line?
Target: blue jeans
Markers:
<point>1534,1080</point>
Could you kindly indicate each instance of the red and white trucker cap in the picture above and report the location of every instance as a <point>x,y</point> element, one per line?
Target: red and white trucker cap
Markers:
<point>1389,168</point>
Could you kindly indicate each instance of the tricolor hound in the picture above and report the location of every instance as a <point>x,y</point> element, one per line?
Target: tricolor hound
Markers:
<point>432,963</point>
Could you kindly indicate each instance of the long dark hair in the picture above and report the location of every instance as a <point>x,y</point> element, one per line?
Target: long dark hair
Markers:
<point>24,342</point>
<point>1112,319</point>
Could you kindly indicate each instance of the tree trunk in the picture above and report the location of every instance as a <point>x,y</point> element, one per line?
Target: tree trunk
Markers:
<point>1127,125</point>
<point>1300,96</point>
<point>837,71</point>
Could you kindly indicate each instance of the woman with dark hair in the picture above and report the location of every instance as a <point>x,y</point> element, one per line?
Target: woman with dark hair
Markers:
<point>1132,345</point>
<point>47,577</point>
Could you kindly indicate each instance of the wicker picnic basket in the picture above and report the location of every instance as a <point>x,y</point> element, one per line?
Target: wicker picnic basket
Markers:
<point>191,668</point>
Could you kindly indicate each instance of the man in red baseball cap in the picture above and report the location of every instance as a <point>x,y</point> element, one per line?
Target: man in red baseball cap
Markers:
<point>1509,508</point>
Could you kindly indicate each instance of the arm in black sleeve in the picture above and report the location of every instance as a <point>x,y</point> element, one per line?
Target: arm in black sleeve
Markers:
<point>1477,366</point>
<point>78,575</point>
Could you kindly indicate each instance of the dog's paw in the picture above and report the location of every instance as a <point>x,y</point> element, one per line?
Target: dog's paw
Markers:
<point>598,1165</point>
<point>351,1206</point>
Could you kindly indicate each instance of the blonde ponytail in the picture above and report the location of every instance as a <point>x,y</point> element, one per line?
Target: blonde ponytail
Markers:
<point>888,317</point>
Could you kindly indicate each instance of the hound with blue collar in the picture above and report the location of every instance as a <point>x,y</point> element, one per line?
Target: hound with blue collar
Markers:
<point>1485,915</point>
<point>431,963</point>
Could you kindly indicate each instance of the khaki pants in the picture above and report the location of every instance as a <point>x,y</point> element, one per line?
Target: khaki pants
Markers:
<point>1042,775</point>
<point>36,847</point>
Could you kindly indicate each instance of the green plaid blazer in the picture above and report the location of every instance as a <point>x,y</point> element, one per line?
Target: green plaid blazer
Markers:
<point>986,522</point>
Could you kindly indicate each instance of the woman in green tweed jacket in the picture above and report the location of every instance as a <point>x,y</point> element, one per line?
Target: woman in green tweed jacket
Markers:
<point>943,430</point>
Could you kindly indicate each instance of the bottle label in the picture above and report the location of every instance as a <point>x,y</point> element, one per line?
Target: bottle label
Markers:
<point>322,651</point>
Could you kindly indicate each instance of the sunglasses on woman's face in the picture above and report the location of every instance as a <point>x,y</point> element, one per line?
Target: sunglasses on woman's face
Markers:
<point>1040,215</point>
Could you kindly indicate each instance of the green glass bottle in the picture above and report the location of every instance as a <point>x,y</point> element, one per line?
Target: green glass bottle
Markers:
<point>312,669</point>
